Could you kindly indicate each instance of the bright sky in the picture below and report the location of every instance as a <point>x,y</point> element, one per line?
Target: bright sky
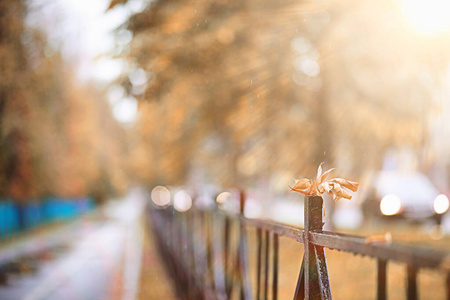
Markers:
<point>89,36</point>
<point>85,33</point>
<point>427,16</point>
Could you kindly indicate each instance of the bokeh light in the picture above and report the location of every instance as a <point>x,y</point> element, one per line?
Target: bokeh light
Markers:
<point>390,205</point>
<point>441,204</point>
<point>182,201</point>
<point>223,197</point>
<point>160,196</point>
<point>126,111</point>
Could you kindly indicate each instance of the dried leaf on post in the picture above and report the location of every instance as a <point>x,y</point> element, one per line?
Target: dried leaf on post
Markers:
<point>333,187</point>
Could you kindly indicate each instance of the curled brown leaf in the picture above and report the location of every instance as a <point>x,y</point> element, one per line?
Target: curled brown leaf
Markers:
<point>301,185</point>
<point>325,175</point>
<point>351,185</point>
<point>333,187</point>
<point>340,192</point>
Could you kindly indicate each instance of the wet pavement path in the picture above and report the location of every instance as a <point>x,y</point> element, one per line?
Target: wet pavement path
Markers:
<point>95,257</point>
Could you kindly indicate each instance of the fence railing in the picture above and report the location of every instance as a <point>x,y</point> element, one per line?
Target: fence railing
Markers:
<point>209,260</point>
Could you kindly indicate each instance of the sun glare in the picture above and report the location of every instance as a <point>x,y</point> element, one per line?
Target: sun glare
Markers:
<point>428,16</point>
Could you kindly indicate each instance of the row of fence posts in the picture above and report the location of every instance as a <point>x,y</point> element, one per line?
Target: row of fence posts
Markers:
<point>197,248</point>
<point>199,253</point>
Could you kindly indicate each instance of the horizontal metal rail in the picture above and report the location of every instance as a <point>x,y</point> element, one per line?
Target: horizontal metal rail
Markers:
<point>274,227</point>
<point>417,256</point>
<point>411,255</point>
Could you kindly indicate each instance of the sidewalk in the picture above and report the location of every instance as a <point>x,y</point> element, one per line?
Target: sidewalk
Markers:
<point>102,257</point>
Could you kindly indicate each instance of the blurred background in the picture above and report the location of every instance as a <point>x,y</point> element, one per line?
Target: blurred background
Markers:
<point>100,97</point>
<point>250,95</point>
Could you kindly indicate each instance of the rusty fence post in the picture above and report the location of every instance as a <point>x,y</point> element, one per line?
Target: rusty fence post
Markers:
<point>411,286</point>
<point>313,282</point>
<point>242,260</point>
<point>381,279</point>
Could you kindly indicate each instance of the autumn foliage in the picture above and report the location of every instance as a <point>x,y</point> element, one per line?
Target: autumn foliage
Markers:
<point>57,136</point>
<point>241,93</point>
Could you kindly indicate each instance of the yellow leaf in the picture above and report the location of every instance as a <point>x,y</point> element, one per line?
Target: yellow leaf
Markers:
<point>351,185</point>
<point>319,172</point>
<point>341,193</point>
<point>325,175</point>
<point>326,187</point>
<point>319,186</point>
<point>302,184</point>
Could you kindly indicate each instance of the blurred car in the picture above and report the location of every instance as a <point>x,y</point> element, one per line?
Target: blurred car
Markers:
<point>409,195</point>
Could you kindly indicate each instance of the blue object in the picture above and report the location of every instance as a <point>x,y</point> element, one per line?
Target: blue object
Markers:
<point>18,217</point>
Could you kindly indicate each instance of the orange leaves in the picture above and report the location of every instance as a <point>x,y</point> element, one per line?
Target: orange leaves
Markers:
<point>333,187</point>
<point>302,186</point>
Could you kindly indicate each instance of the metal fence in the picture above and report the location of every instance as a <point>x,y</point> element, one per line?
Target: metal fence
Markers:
<point>206,253</point>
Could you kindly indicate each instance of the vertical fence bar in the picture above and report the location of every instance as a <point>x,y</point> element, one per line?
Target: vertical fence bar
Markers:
<point>322,272</point>
<point>199,245</point>
<point>240,258</point>
<point>266,264</point>
<point>381,279</point>
<point>313,282</point>
<point>275,268</point>
<point>245,292</point>
<point>219,273</point>
<point>258,262</point>
<point>190,256</point>
<point>306,256</point>
<point>300,288</point>
<point>172,242</point>
<point>411,293</point>
<point>209,254</point>
<point>226,250</point>
<point>313,221</point>
<point>181,256</point>
<point>448,286</point>
<point>206,279</point>
<point>179,250</point>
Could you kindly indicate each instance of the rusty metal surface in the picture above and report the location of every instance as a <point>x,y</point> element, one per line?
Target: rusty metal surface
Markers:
<point>258,262</point>
<point>417,256</point>
<point>275,267</point>
<point>381,279</point>
<point>411,286</point>
<point>322,270</point>
<point>274,227</point>
<point>266,264</point>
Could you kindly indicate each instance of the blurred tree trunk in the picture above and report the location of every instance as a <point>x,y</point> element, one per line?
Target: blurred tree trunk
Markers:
<point>15,156</point>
